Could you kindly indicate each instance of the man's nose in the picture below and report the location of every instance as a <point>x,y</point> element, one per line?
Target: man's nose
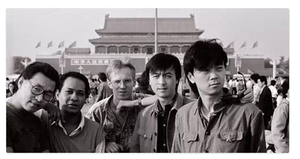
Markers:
<point>40,97</point>
<point>74,96</point>
<point>122,84</point>
<point>161,80</point>
<point>213,74</point>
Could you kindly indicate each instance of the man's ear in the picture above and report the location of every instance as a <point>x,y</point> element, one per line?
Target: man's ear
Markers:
<point>191,77</point>
<point>57,94</point>
<point>109,84</point>
<point>20,82</point>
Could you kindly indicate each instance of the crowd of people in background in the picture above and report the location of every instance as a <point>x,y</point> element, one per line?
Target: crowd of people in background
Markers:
<point>149,113</point>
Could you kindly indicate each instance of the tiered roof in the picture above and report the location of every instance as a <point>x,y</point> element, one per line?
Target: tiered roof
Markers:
<point>147,25</point>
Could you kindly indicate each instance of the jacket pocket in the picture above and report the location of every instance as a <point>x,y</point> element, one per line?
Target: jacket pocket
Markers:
<point>145,134</point>
<point>190,136</point>
<point>231,136</point>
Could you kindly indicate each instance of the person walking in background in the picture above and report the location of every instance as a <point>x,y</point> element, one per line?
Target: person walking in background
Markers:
<point>274,93</point>
<point>214,123</point>
<point>265,101</point>
<point>249,84</point>
<point>280,122</point>
<point>234,86</point>
<point>143,86</point>
<point>12,89</point>
<point>256,89</point>
<point>104,90</point>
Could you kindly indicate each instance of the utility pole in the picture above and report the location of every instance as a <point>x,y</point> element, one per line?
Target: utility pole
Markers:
<point>155,33</point>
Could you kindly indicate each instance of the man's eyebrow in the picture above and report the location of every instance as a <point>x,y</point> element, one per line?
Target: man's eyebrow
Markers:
<point>168,72</point>
<point>39,85</point>
<point>79,90</point>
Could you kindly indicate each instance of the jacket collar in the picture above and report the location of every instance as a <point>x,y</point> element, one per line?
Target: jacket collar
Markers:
<point>218,107</point>
<point>176,103</point>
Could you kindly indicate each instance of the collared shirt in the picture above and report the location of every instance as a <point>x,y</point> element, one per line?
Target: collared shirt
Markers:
<point>77,130</point>
<point>256,92</point>
<point>162,122</point>
<point>231,128</point>
<point>89,136</point>
<point>145,135</point>
<point>273,91</point>
<point>118,127</point>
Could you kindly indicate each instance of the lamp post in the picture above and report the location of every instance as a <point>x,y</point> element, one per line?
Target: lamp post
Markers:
<point>238,63</point>
<point>62,62</point>
<point>80,69</point>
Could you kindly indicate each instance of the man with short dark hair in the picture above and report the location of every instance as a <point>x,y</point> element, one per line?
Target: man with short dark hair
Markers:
<point>154,128</point>
<point>215,122</point>
<point>265,100</point>
<point>24,132</point>
<point>274,93</point>
<point>104,90</point>
<point>74,133</point>
<point>254,77</point>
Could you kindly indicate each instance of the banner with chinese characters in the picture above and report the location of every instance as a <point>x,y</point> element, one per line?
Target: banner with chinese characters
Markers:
<point>90,61</point>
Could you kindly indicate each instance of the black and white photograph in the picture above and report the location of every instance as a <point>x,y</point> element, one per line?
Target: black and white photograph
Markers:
<point>148,80</point>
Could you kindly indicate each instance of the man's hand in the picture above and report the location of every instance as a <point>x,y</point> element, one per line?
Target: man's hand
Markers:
<point>248,96</point>
<point>54,112</point>
<point>112,147</point>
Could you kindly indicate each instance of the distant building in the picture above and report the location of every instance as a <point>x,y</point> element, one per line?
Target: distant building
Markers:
<point>133,38</point>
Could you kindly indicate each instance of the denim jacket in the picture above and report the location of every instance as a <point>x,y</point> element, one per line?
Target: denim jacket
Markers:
<point>144,138</point>
<point>231,128</point>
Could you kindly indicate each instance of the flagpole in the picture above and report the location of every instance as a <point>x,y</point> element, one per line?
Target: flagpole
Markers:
<point>274,68</point>
<point>155,32</point>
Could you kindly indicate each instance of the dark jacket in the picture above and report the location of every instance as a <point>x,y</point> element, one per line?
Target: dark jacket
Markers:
<point>265,105</point>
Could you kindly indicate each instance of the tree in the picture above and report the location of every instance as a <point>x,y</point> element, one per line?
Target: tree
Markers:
<point>268,63</point>
<point>284,64</point>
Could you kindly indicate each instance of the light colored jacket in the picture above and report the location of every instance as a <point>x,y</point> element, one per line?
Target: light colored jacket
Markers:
<point>231,128</point>
<point>280,127</point>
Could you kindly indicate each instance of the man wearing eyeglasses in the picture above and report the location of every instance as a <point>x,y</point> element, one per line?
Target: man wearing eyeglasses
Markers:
<point>118,125</point>
<point>24,131</point>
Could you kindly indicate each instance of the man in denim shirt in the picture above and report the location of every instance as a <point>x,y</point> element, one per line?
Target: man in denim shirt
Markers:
<point>154,129</point>
<point>215,122</point>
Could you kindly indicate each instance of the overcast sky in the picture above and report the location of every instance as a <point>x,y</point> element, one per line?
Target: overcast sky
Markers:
<point>26,27</point>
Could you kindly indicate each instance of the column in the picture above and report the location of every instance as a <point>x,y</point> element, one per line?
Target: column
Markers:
<point>180,48</point>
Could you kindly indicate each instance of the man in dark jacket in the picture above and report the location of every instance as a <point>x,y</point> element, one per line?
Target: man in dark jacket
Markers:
<point>265,100</point>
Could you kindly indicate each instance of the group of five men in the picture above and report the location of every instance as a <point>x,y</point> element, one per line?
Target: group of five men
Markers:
<point>132,122</point>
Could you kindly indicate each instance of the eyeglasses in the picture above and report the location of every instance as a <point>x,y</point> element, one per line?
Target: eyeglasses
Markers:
<point>126,82</point>
<point>37,90</point>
